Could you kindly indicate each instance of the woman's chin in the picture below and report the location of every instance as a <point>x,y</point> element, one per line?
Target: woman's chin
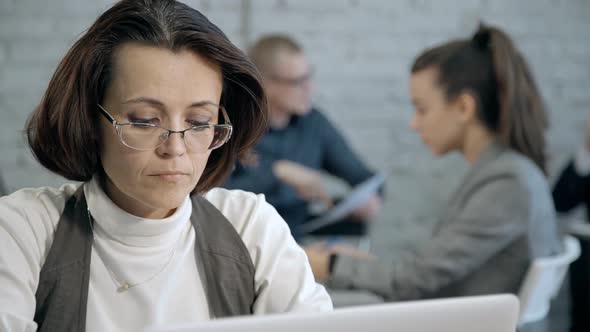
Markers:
<point>166,200</point>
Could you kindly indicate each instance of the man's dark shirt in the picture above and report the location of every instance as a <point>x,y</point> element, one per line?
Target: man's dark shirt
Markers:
<point>309,140</point>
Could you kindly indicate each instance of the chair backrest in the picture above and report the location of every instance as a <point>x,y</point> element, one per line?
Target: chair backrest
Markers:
<point>543,280</point>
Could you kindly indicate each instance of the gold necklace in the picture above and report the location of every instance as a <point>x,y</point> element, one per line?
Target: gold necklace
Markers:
<point>126,285</point>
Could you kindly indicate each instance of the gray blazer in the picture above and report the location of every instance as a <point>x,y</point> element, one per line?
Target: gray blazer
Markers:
<point>499,219</point>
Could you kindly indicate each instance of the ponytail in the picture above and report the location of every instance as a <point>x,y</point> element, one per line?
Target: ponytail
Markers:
<point>508,101</point>
<point>523,119</point>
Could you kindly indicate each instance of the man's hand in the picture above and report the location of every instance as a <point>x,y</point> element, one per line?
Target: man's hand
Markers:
<point>306,181</point>
<point>369,210</point>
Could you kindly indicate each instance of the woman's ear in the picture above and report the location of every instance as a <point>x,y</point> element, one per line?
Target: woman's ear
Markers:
<point>466,106</point>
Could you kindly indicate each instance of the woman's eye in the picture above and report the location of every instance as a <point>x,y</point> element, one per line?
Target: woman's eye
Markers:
<point>143,120</point>
<point>195,123</point>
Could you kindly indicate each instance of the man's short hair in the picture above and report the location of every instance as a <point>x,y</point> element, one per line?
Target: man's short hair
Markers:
<point>263,52</point>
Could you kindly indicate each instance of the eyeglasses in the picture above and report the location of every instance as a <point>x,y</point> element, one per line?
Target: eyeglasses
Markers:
<point>296,81</point>
<point>147,136</point>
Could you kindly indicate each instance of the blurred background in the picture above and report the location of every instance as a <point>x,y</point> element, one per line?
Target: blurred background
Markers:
<point>361,52</point>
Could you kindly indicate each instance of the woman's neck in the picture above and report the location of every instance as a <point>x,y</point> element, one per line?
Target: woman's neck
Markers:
<point>129,204</point>
<point>476,141</point>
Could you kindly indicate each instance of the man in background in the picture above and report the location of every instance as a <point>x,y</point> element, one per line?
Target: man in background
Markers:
<point>300,143</point>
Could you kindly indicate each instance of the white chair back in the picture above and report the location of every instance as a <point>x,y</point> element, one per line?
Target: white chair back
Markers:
<point>543,280</point>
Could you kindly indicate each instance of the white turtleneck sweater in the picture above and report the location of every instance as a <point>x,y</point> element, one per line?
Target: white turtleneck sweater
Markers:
<point>135,249</point>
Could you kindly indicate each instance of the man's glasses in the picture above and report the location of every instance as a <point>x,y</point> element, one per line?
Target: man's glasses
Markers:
<point>294,81</point>
<point>147,136</point>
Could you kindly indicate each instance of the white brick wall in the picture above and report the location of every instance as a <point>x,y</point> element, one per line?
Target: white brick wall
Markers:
<point>361,51</point>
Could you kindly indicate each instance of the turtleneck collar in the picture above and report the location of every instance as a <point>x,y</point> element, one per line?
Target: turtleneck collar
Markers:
<point>112,221</point>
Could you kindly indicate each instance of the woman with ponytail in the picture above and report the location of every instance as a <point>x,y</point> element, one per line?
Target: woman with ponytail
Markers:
<point>477,97</point>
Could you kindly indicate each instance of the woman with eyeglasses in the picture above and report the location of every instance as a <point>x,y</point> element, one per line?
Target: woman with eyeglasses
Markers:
<point>149,109</point>
<point>474,96</point>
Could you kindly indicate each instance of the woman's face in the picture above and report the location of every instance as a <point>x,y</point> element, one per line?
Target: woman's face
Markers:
<point>439,123</point>
<point>157,86</point>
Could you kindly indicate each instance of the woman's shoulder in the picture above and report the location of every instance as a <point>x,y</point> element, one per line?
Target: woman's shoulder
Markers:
<point>508,172</point>
<point>245,210</point>
<point>518,177</point>
<point>231,201</point>
<point>45,199</point>
<point>30,216</point>
<point>520,168</point>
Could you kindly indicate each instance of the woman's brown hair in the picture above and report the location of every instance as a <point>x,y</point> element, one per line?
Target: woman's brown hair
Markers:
<point>63,132</point>
<point>490,68</point>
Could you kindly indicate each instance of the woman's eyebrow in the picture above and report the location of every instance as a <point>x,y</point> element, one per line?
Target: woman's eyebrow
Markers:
<point>158,103</point>
<point>144,100</point>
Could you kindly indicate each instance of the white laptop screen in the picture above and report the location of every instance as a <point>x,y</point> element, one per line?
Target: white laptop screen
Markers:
<point>494,313</point>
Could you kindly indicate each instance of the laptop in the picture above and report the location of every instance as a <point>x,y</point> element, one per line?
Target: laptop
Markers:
<point>492,313</point>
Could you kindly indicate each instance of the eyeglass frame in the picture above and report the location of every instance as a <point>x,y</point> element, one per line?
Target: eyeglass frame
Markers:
<point>294,82</point>
<point>117,125</point>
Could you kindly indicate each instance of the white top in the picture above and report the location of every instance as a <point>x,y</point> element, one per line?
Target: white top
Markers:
<point>135,249</point>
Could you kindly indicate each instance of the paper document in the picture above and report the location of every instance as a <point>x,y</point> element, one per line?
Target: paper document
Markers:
<point>358,196</point>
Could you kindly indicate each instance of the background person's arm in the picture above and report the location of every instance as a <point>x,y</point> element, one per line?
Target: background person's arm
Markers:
<point>494,217</point>
<point>340,160</point>
<point>573,185</point>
